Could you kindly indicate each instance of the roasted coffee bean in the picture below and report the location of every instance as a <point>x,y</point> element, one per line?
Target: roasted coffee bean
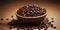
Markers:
<point>54,27</point>
<point>10,27</point>
<point>45,29</point>
<point>52,21</point>
<point>1,18</point>
<point>12,16</point>
<point>7,19</point>
<point>52,18</point>
<point>41,26</point>
<point>0,23</point>
<point>51,25</point>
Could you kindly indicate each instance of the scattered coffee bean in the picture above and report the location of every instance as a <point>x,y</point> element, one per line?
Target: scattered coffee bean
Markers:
<point>52,18</point>
<point>7,19</point>
<point>10,27</point>
<point>1,19</point>
<point>54,27</point>
<point>51,25</point>
<point>52,21</point>
<point>0,23</point>
<point>45,29</point>
<point>11,16</point>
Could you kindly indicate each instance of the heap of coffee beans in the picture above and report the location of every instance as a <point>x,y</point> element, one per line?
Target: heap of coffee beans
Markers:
<point>45,24</point>
<point>31,11</point>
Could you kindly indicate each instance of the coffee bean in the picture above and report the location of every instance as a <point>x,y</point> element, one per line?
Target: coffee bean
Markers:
<point>0,23</point>
<point>52,21</point>
<point>52,18</point>
<point>41,27</point>
<point>1,19</point>
<point>7,19</point>
<point>12,16</point>
<point>10,27</point>
<point>54,27</point>
<point>51,25</point>
<point>45,29</point>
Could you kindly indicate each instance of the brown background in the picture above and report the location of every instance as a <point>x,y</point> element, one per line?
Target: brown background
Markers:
<point>9,7</point>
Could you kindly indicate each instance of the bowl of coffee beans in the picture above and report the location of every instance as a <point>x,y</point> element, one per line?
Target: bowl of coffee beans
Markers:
<point>31,14</point>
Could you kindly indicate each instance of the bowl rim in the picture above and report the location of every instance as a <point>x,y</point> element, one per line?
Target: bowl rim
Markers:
<point>31,17</point>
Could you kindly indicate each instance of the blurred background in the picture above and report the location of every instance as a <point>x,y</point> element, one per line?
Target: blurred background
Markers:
<point>9,8</point>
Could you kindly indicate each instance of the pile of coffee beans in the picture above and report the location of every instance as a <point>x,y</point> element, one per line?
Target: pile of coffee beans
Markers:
<point>31,11</point>
<point>45,24</point>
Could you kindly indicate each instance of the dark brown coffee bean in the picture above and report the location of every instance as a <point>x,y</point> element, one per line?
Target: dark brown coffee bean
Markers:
<point>7,19</point>
<point>45,29</point>
<point>1,19</point>
<point>0,23</point>
<point>10,27</point>
<point>51,25</point>
<point>54,27</point>
<point>52,18</point>
<point>11,16</point>
<point>41,27</point>
<point>52,21</point>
